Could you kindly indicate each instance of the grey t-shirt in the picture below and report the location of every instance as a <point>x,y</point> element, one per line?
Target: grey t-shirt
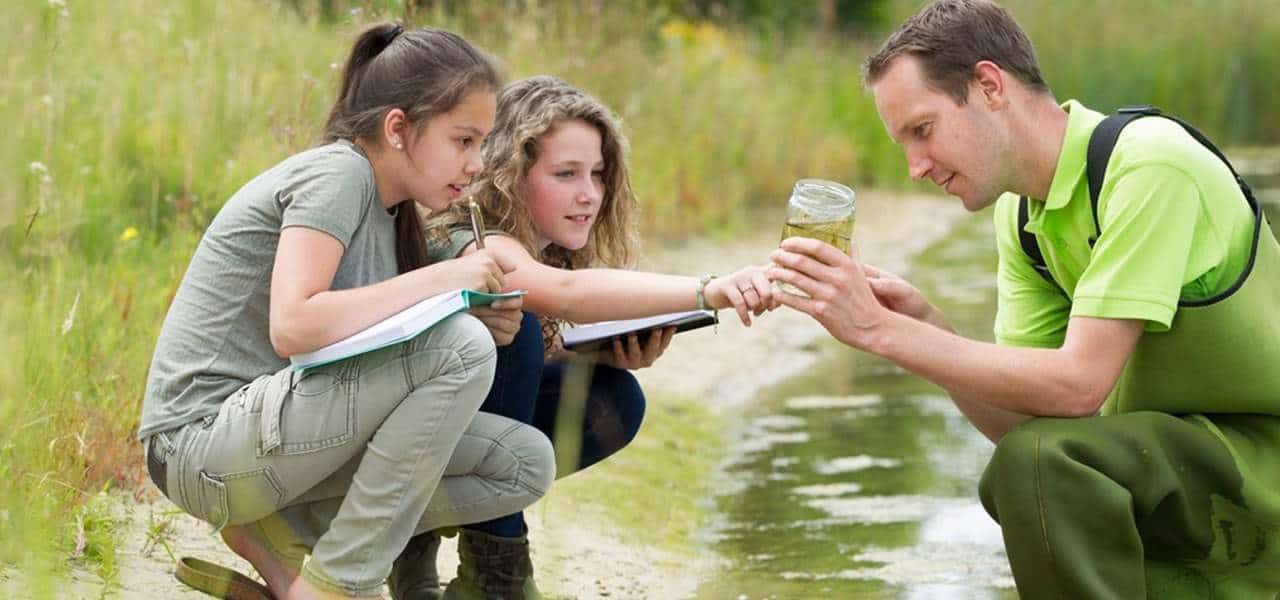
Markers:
<point>215,338</point>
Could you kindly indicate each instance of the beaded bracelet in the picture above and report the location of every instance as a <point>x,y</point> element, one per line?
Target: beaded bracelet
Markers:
<point>701,291</point>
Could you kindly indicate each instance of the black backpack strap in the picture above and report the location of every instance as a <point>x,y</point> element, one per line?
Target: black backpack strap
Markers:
<point>1101,143</point>
<point>1029,245</point>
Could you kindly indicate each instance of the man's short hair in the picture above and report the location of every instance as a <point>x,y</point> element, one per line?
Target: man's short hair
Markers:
<point>949,37</point>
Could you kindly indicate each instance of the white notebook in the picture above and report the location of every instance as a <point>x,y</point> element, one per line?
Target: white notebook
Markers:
<point>399,327</point>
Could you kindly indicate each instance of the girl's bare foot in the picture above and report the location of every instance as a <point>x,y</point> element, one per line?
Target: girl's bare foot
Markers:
<point>278,575</point>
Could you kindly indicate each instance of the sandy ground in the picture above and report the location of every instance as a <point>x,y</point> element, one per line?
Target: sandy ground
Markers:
<point>584,554</point>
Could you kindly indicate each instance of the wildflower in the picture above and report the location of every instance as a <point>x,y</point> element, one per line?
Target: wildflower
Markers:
<point>129,233</point>
<point>71,315</point>
<point>38,169</point>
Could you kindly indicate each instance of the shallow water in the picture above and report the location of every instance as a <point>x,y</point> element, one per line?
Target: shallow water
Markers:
<point>858,480</point>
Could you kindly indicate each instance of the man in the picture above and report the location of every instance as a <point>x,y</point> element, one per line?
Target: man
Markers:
<point>1129,392</point>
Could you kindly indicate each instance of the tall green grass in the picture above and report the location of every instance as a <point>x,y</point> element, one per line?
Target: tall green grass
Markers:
<point>128,123</point>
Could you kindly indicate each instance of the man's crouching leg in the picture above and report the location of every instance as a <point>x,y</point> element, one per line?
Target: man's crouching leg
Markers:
<point>1090,508</point>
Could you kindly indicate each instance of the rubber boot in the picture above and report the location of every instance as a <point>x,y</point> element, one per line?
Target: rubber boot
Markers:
<point>413,574</point>
<point>492,568</point>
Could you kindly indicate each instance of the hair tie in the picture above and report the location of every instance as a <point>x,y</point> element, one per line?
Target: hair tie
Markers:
<point>391,35</point>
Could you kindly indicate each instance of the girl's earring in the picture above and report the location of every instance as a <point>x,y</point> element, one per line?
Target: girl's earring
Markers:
<point>395,143</point>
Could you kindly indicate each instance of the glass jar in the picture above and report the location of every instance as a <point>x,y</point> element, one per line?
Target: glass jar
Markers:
<point>822,210</point>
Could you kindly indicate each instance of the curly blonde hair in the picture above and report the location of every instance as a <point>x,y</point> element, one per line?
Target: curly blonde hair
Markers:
<point>527,110</point>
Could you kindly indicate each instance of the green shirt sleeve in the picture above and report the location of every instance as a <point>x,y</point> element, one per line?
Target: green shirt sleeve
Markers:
<point>1139,264</point>
<point>1030,311</point>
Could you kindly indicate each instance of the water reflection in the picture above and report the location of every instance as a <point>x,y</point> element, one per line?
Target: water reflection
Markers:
<point>857,480</point>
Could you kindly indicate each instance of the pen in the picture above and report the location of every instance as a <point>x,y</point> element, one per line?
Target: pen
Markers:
<point>477,222</point>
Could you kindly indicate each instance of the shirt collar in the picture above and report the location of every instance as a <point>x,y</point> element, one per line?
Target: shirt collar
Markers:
<point>1075,144</point>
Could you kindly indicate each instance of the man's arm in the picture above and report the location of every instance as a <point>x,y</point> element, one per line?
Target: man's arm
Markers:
<point>996,386</point>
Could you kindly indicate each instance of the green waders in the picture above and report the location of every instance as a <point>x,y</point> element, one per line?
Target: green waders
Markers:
<point>1138,505</point>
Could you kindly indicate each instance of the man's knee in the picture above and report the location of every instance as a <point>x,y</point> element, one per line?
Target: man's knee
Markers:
<point>1017,472</point>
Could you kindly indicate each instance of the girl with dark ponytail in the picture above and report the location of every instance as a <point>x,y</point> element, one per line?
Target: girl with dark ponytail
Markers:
<point>344,462</point>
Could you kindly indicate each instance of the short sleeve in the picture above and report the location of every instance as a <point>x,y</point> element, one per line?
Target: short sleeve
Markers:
<point>331,194</point>
<point>1030,311</point>
<point>1139,264</point>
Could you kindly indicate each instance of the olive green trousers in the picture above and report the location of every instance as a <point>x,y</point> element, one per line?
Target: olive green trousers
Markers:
<point>1139,505</point>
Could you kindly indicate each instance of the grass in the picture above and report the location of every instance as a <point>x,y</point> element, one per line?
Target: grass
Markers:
<point>128,124</point>
<point>653,488</point>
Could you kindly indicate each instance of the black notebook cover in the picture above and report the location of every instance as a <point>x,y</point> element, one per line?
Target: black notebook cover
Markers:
<point>586,338</point>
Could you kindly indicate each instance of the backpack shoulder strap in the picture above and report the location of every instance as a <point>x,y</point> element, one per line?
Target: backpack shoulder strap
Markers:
<point>1101,143</point>
<point>1029,245</point>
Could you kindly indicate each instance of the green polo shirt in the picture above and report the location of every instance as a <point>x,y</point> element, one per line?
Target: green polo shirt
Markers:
<point>1174,224</point>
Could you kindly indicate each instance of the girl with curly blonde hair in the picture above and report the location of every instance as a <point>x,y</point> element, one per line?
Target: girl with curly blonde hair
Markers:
<point>559,208</point>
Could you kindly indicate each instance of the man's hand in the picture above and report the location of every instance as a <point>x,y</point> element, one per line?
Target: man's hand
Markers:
<point>631,354</point>
<point>840,297</point>
<point>502,318</point>
<point>898,295</point>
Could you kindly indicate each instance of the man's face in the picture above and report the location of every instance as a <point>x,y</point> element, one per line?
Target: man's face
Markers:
<point>953,145</point>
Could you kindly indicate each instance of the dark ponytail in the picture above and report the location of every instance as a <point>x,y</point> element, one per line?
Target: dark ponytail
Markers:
<point>423,72</point>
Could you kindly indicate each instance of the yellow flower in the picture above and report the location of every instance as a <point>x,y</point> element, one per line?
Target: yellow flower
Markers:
<point>129,233</point>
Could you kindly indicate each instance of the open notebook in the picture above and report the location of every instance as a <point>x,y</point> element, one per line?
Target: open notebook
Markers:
<point>399,327</point>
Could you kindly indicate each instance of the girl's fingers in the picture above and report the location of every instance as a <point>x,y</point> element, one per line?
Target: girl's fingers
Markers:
<point>739,304</point>
<point>633,347</point>
<point>667,335</point>
<point>763,287</point>
<point>619,355</point>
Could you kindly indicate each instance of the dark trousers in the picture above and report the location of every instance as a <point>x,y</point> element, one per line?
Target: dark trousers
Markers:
<point>588,410</point>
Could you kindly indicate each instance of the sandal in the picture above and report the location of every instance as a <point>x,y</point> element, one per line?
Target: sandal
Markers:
<point>219,581</point>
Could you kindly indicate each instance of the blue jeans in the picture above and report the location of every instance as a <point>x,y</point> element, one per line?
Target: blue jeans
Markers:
<point>527,389</point>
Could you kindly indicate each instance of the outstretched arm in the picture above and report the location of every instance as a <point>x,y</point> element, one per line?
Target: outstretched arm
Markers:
<point>987,381</point>
<point>591,295</point>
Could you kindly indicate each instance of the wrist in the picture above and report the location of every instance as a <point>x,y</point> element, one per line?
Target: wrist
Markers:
<point>879,335</point>
<point>700,292</point>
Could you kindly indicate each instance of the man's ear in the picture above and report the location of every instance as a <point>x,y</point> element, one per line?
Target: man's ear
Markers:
<point>989,84</point>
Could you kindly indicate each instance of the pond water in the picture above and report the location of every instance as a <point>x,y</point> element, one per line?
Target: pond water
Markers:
<point>859,480</point>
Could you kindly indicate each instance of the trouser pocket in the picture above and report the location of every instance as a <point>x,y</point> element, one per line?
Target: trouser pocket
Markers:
<point>306,412</point>
<point>238,498</point>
